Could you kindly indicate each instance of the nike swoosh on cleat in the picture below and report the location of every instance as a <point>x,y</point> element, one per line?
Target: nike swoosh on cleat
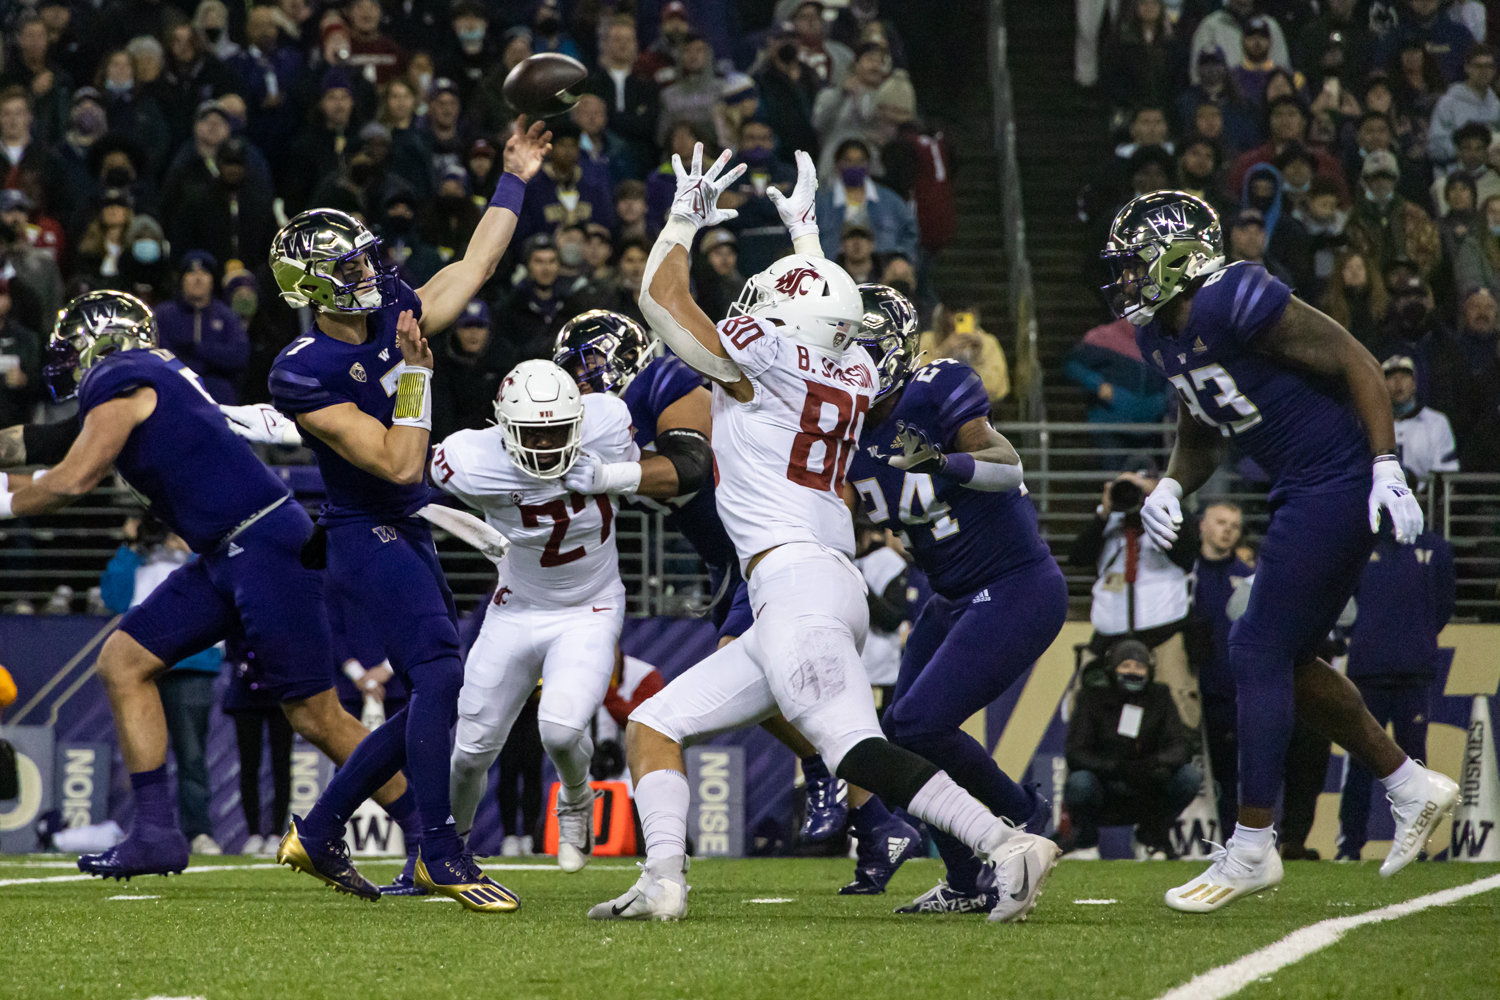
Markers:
<point>1025,881</point>
<point>617,910</point>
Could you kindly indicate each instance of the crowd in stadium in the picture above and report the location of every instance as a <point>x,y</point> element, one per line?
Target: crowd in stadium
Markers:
<point>156,149</point>
<point>1349,147</point>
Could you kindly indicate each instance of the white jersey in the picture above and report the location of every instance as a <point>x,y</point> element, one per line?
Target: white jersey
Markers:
<point>782,456</point>
<point>1424,443</point>
<point>562,551</point>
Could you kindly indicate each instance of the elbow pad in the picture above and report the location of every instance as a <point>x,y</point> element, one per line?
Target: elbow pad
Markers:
<point>690,454</point>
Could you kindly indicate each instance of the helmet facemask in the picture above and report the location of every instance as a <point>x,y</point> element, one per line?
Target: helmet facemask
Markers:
<point>330,261</point>
<point>89,329</point>
<point>545,449</point>
<point>889,334</point>
<point>1158,245</point>
<point>603,351</point>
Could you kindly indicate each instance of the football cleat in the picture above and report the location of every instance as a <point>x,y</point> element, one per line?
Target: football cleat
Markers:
<point>827,808</point>
<point>1416,817</point>
<point>892,845</point>
<point>326,860</point>
<point>659,894</point>
<point>460,878</point>
<point>575,833</point>
<point>1021,865</point>
<point>405,884</point>
<point>149,850</point>
<point>943,898</point>
<point>1235,872</point>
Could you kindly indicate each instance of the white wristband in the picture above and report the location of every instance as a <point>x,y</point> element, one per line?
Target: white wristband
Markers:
<point>413,397</point>
<point>36,476</point>
<point>6,499</point>
<point>621,477</point>
<point>806,243</point>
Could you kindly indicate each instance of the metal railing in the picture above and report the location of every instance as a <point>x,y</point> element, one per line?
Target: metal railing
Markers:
<point>1026,369</point>
<point>1466,507</point>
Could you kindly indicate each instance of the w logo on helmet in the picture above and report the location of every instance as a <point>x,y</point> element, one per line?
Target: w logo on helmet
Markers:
<point>1169,220</point>
<point>790,284</point>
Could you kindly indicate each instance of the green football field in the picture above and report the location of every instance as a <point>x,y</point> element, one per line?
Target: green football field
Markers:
<point>755,928</point>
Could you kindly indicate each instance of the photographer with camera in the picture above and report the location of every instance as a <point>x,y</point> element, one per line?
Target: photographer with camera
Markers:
<point>1140,589</point>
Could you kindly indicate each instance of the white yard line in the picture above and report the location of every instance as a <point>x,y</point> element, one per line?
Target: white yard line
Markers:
<point>190,870</point>
<point>1229,979</point>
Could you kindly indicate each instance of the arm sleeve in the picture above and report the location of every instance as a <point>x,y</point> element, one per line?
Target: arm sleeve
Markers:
<point>888,608</point>
<point>48,444</point>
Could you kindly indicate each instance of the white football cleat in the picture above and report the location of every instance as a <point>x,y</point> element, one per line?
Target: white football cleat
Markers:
<point>1021,865</point>
<point>575,833</point>
<point>1417,815</point>
<point>1235,872</point>
<point>659,894</point>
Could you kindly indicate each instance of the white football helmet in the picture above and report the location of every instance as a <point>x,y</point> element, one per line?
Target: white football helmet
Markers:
<point>540,411</point>
<point>816,301</point>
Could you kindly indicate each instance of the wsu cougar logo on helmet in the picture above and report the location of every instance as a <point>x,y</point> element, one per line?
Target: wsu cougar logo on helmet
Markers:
<point>790,284</point>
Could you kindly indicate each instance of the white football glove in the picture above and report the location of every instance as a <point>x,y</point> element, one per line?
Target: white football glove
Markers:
<point>799,210</point>
<point>698,190</point>
<point>468,529</point>
<point>916,451</point>
<point>1161,514</point>
<point>262,423</point>
<point>1391,492</point>
<point>592,474</point>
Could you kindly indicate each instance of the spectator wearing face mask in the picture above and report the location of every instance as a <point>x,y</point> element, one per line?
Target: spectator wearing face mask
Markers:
<point>144,270</point>
<point>853,197</point>
<point>269,325</point>
<point>762,236</point>
<point>1424,438</point>
<point>1385,227</point>
<point>87,123</point>
<point>470,52</point>
<point>1324,223</point>
<point>1477,262</point>
<point>325,144</point>
<point>1286,122</point>
<point>1261,202</point>
<point>203,332</point>
<point>1414,330</point>
<point>231,215</point>
<point>1129,755</point>
<point>402,242</point>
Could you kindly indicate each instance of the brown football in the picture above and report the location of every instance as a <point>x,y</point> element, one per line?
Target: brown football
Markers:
<point>544,85</point>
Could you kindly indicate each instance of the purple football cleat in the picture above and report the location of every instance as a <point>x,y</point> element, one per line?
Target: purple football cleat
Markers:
<point>827,803</point>
<point>405,884</point>
<point>894,843</point>
<point>149,850</point>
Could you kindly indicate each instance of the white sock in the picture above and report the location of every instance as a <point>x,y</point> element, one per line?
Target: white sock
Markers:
<point>1398,778</point>
<point>942,803</point>
<point>662,798</point>
<point>1254,838</point>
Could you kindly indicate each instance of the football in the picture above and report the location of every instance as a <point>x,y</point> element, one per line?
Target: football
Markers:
<point>544,85</point>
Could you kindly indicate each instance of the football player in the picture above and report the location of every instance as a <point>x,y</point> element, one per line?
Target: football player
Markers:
<point>559,603</point>
<point>1306,402</point>
<point>931,467</point>
<point>147,415</point>
<point>358,387</point>
<point>670,408</point>
<point>792,389</point>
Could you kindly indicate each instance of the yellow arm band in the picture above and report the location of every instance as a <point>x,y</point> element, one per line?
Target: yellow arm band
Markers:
<point>413,398</point>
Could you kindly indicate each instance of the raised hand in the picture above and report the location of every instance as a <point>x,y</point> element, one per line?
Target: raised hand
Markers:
<point>526,149</point>
<point>414,349</point>
<point>917,453</point>
<point>698,190</point>
<point>798,210</point>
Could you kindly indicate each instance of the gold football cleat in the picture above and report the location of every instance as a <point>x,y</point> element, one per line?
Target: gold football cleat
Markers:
<point>331,864</point>
<point>470,885</point>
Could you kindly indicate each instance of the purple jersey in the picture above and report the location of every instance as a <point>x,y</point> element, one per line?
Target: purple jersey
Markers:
<point>317,371</point>
<point>183,460</point>
<point>1300,428</point>
<point>663,382</point>
<point>961,538</point>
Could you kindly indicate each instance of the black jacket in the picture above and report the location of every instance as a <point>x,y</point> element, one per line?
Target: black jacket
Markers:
<point>464,386</point>
<point>1095,744</point>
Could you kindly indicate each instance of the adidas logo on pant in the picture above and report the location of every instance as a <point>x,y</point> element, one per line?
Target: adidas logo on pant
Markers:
<point>896,846</point>
<point>981,597</point>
